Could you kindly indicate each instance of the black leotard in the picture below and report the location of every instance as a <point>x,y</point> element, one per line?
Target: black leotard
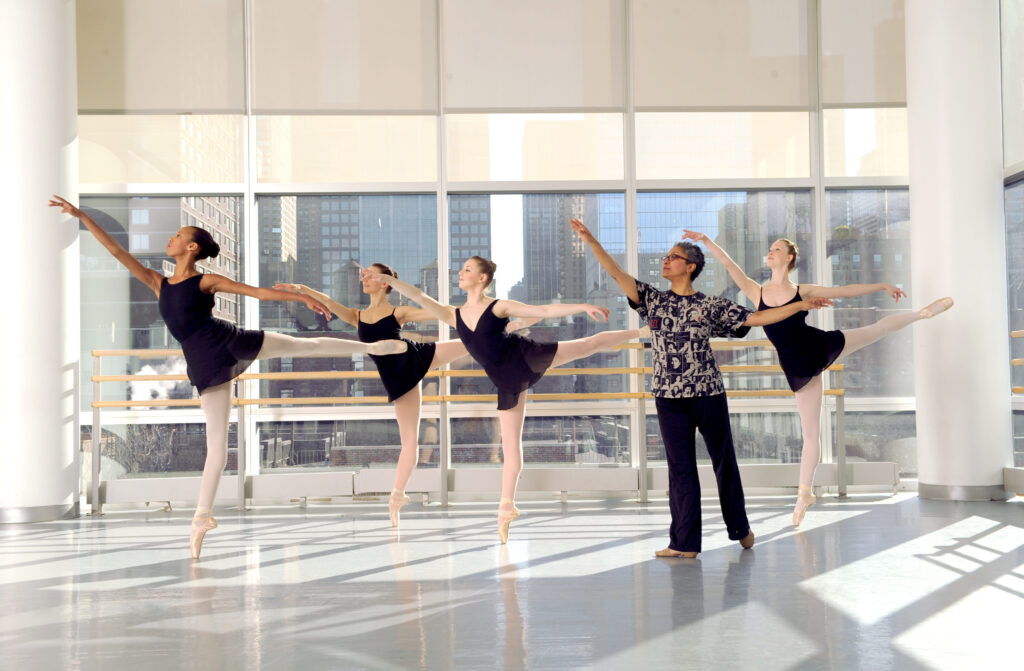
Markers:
<point>804,351</point>
<point>398,372</point>
<point>215,350</point>
<point>513,363</point>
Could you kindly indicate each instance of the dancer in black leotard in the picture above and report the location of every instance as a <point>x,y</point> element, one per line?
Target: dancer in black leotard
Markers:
<point>400,373</point>
<point>805,351</point>
<point>215,350</point>
<point>511,361</point>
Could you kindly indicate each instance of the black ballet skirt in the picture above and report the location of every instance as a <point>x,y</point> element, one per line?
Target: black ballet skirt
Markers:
<point>215,350</point>
<point>513,363</point>
<point>399,372</point>
<point>804,351</point>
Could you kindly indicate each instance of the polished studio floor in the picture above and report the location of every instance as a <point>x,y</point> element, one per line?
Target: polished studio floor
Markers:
<point>868,583</point>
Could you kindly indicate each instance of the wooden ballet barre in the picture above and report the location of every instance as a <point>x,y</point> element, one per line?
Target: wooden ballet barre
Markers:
<point>1017,334</point>
<point>140,353</point>
<point>1017,362</point>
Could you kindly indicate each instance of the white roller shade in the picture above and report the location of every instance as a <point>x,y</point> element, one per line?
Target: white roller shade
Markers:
<point>151,56</point>
<point>863,57</point>
<point>344,55</point>
<point>728,53</point>
<point>534,54</point>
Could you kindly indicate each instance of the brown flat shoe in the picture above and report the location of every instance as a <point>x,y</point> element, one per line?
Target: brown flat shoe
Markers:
<point>669,552</point>
<point>748,542</point>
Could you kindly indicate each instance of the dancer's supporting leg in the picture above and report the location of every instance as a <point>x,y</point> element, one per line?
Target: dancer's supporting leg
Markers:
<point>512,448</point>
<point>808,404</point>
<point>407,413</point>
<point>570,350</point>
<point>277,345</point>
<point>216,404</point>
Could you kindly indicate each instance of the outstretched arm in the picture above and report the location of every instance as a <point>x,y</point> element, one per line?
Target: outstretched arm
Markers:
<point>211,283</point>
<point>444,313</point>
<point>507,308</point>
<point>625,281</point>
<point>345,314</point>
<point>749,287</point>
<point>851,290</point>
<point>147,276</point>
<point>773,315</point>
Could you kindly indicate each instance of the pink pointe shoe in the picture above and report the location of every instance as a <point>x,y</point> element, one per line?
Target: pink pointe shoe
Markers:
<point>396,502</point>
<point>938,307</point>
<point>200,525</point>
<point>805,498</point>
<point>507,512</point>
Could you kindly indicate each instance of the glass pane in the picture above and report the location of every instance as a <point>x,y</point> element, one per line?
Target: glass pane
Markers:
<point>1018,438</point>
<point>740,53</point>
<point>148,149</point>
<point>540,260</point>
<point>863,52</point>
<point>759,438</point>
<point>148,450</point>
<point>367,55</point>
<point>513,147</point>
<point>1011,18</point>
<point>727,145</point>
<point>866,142</point>
<point>572,440</point>
<point>339,444</point>
<point>499,55</point>
<point>1014,204</point>
<point>332,149</point>
<point>868,241</point>
<point>883,436</point>
<point>161,56</point>
<point>321,241</point>
<point>119,312</point>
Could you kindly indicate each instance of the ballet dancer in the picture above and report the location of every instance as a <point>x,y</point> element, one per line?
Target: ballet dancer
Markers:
<point>400,373</point>
<point>512,363</point>
<point>688,391</point>
<point>216,352</point>
<point>805,351</point>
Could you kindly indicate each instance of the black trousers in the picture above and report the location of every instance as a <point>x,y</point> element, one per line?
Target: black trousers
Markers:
<point>680,418</point>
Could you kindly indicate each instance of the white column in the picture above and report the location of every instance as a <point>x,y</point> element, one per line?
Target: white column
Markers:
<point>958,247</point>
<point>40,336</point>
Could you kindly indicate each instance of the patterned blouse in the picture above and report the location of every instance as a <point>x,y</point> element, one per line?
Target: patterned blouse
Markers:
<point>681,329</point>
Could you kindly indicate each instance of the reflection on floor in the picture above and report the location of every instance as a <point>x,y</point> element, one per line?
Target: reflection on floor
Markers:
<point>867,583</point>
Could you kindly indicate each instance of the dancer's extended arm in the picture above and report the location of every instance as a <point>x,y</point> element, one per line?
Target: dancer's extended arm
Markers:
<point>625,281</point>
<point>444,313</point>
<point>345,314</point>
<point>750,288</point>
<point>507,308</point>
<point>147,276</point>
<point>212,283</point>
<point>851,290</point>
<point>773,315</point>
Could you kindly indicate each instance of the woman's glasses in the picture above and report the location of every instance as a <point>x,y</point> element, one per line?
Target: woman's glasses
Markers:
<point>675,257</point>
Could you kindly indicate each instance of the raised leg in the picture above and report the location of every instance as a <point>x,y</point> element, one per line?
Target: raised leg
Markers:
<point>570,350</point>
<point>277,345</point>
<point>864,336</point>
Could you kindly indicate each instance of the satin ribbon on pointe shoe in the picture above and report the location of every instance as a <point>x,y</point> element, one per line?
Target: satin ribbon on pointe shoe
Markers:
<point>200,525</point>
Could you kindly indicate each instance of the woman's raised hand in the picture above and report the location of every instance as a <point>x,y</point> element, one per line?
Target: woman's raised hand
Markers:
<point>696,236</point>
<point>894,291</point>
<point>65,206</point>
<point>581,230</point>
<point>597,312</point>
<point>367,274</point>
